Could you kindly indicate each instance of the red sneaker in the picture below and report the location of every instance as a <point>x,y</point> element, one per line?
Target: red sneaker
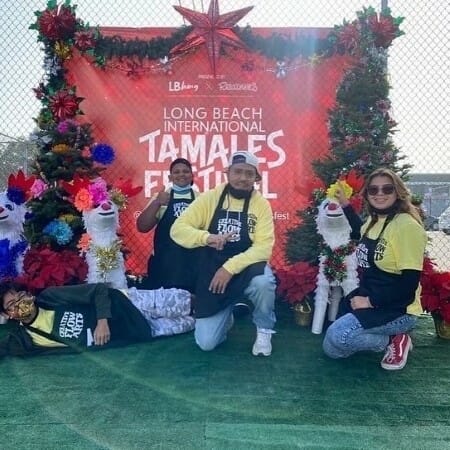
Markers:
<point>397,352</point>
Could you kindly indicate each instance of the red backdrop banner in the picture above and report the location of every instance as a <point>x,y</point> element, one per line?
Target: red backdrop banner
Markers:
<point>156,116</point>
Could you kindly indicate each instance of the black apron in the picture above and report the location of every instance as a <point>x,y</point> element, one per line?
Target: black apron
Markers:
<point>171,265</point>
<point>206,303</point>
<point>373,279</point>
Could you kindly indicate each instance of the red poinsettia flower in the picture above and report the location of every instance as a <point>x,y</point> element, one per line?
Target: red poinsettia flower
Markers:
<point>84,40</point>
<point>297,281</point>
<point>43,267</point>
<point>64,104</point>
<point>349,36</point>
<point>435,297</point>
<point>383,29</point>
<point>57,23</point>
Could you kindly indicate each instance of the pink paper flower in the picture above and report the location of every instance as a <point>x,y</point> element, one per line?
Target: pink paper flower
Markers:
<point>38,188</point>
<point>99,191</point>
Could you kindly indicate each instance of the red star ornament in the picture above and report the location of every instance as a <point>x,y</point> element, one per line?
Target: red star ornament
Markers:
<point>211,29</point>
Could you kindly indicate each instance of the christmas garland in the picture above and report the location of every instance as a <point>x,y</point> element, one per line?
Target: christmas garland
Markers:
<point>277,46</point>
<point>60,30</point>
<point>106,258</point>
<point>335,267</point>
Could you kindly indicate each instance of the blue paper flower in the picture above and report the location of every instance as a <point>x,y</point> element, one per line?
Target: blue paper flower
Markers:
<point>60,231</point>
<point>103,154</point>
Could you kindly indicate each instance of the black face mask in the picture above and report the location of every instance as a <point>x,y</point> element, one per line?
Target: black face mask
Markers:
<point>392,210</point>
<point>239,193</point>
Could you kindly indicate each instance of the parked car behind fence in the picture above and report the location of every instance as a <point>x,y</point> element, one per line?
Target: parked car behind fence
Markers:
<point>444,221</point>
<point>431,223</point>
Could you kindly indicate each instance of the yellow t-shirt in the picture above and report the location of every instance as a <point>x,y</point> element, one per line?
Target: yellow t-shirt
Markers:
<point>401,247</point>
<point>44,321</point>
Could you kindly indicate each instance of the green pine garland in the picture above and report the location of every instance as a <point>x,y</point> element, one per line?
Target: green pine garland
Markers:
<point>335,267</point>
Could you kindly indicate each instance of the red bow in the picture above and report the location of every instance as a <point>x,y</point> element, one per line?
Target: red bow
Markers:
<point>64,105</point>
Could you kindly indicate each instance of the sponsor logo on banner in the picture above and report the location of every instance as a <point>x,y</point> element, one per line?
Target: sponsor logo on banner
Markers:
<point>226,86</point>
<point>179,86</point>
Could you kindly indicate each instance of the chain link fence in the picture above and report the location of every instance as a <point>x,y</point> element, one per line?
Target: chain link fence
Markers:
<point>418,69</point>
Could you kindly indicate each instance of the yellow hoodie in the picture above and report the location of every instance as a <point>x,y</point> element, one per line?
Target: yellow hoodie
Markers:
<point>190,230</point>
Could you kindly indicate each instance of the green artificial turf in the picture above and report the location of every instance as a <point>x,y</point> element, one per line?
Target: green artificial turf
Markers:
<point>170,395</point>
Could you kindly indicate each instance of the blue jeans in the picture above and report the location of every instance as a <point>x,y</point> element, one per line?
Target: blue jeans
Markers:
<point>346,336</point>
<point>211,331</point>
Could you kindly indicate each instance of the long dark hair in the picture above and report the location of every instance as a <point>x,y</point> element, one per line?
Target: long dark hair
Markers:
<point>403,204</point>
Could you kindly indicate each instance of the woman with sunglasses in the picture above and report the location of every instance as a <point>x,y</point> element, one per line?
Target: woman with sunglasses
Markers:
<point>380,313</point>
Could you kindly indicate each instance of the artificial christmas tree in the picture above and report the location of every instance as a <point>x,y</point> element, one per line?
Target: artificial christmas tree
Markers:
<point>66,152</point>
<point>360,124</point>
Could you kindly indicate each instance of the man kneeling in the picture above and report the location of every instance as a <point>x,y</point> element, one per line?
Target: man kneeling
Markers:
<point>76,318</point>
<point>232,226</point>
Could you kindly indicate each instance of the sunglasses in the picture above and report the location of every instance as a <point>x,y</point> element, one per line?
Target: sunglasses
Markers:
<point>386,189</point>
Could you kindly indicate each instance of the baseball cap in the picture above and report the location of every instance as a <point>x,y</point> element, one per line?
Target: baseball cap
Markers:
<point>245,158</point>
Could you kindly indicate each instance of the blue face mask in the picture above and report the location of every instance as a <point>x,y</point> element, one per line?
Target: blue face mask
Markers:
<point>181,189</point>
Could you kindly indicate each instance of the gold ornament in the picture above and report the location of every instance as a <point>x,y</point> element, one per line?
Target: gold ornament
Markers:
<point>68,218</point>
<point>60,149</point>
<point>62,50</point>
<point>118,198</point>
<point>107,258</point>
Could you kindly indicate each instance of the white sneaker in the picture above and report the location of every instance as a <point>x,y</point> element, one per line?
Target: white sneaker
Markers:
<point>263,344</point>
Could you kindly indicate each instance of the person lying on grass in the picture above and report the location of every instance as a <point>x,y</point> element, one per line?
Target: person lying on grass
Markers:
<point>89,316</point>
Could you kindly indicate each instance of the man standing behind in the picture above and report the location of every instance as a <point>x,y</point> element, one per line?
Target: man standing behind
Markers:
<point>233,224</point>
